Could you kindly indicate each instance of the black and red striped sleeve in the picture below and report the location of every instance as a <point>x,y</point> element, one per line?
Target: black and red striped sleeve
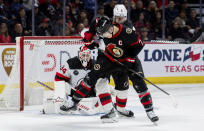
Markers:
<point>61,77</point>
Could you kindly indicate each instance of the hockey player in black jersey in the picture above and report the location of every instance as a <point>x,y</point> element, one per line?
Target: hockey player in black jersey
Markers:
<point>122,44</point>
<point>120,16</point>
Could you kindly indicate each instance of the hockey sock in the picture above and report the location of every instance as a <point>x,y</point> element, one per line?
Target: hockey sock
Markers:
<point>106,101</point>
<point>121,99</point>
<point>146,100</point>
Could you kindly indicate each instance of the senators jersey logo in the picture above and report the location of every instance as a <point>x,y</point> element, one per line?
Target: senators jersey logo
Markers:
<point>129,31</point>
<point>97,67</point>
<point>115,51</point>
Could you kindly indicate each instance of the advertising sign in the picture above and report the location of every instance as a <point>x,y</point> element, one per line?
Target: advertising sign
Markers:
<point>173,60</point>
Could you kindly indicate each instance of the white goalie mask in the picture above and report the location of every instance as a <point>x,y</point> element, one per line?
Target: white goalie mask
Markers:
<point>120,13</point>
<point>84,55</point>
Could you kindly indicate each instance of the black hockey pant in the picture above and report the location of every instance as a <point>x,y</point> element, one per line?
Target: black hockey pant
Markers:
<point>102,68</point>
<point>140,86</point>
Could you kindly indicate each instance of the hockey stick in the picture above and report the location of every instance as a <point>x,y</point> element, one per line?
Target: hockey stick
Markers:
<point>45,85</point>
<point>133,71</point>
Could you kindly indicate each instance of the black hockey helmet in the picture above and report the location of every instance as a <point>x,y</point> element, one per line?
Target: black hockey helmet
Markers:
<point>104,23</point>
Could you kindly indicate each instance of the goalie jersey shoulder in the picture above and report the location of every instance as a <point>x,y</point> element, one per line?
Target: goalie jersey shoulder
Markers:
<point>74,63</point>
<point>76,71</point>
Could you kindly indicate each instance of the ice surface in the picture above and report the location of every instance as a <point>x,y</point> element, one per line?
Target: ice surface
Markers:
<point>188,116</point>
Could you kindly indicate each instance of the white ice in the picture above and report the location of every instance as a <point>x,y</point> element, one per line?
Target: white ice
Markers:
<point>188,116</point>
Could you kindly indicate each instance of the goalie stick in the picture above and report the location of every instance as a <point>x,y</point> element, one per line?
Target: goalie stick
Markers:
<point>133,71</point>
<point>45,85</point>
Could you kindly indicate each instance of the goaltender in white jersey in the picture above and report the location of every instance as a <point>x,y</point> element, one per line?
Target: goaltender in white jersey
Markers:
<point>69,76</point>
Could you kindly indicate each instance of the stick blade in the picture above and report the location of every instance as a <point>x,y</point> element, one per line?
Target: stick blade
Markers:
<point>174,101</point>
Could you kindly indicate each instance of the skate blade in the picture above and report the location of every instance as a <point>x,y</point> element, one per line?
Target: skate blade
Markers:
<point>67,112</point>
<point>125,117</point>
<point>155,123</point>
<point>110,120</point>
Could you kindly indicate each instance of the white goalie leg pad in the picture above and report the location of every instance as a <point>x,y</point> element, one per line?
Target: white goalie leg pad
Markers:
<point>49,104</point>
<point>89,106</point>
<point>62,92</point>
<point>102,87</point>
<point>52,103</point>
<point>123,96</point>
<point>67,103</point>
<point>112,90</point>
<point>68,88</point>
<point>60,89</point>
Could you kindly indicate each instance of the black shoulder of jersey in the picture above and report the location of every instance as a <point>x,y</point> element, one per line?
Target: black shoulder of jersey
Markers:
<point>129,35</point>
<point>126,30</point>
<point>74,63</point>
<point>128,24</point>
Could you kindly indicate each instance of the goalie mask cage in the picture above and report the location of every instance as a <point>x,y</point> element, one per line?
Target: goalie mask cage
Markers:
<point>36,61</point>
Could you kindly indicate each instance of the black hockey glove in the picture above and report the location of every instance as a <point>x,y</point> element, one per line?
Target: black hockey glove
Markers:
<point>90,34</point>
<point>88,37</point>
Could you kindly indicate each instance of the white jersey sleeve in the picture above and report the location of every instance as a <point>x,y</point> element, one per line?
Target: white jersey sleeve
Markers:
<point>62,81</point>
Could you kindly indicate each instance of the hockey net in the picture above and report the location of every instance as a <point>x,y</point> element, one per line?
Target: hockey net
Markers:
<point>33,72</point>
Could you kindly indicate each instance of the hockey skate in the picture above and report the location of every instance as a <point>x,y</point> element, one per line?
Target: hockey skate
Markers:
<point>110,117</point>
<point>152,116</point>
<point>125,113</point>
<point>68,107</point>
